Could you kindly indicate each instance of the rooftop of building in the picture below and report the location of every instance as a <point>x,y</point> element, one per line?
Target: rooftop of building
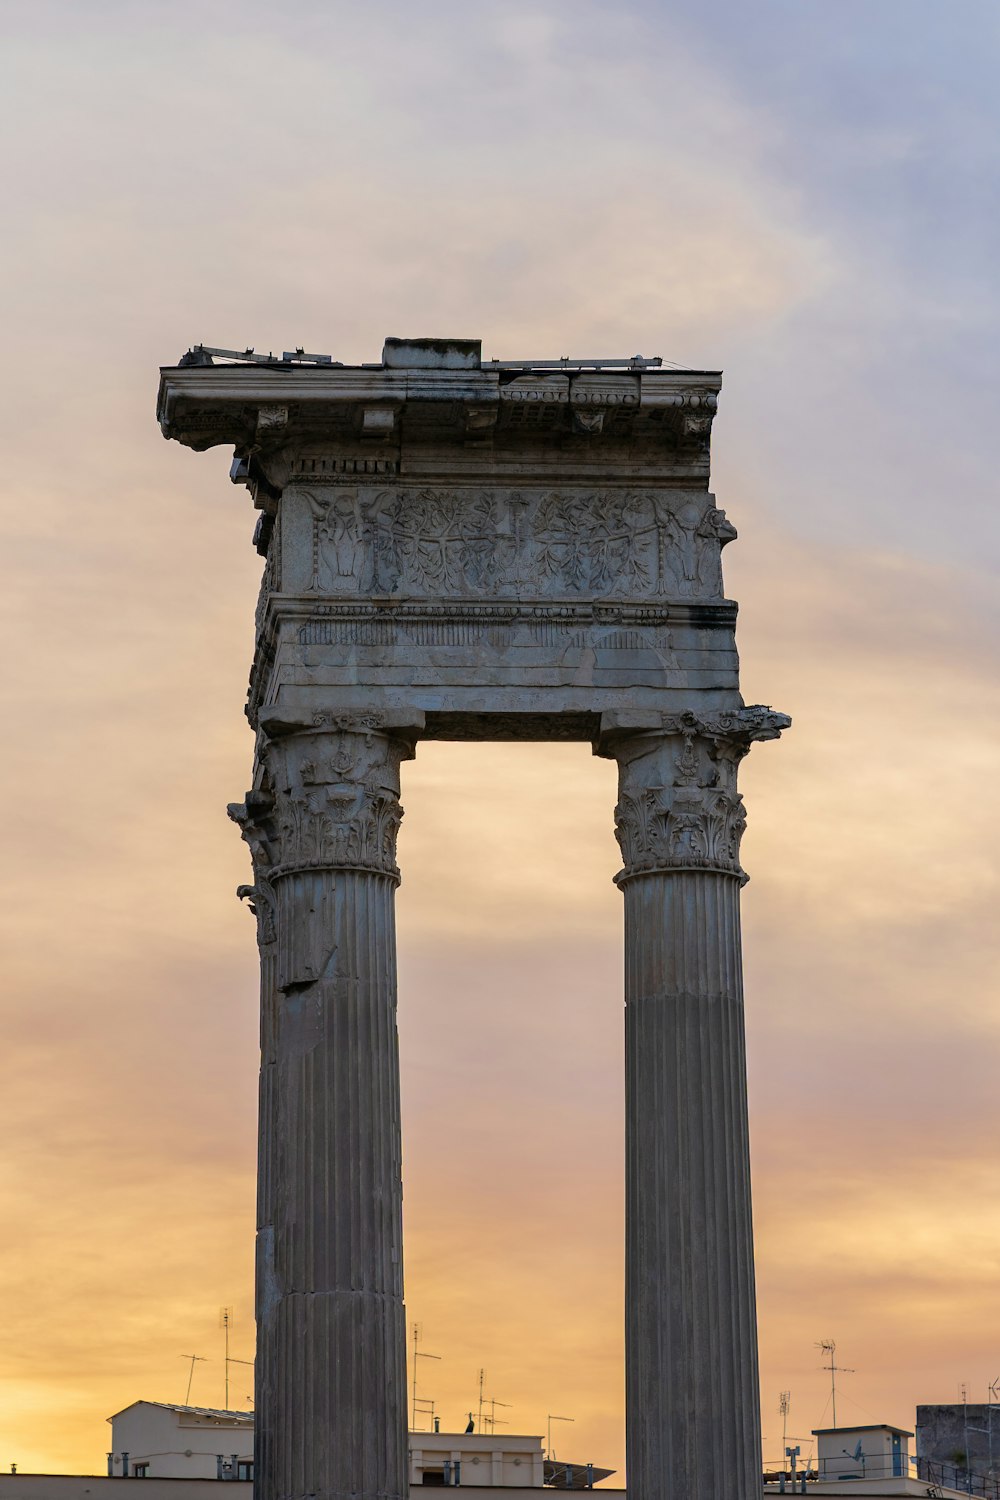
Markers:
<point>862,1427</point>
<point>215,1413</point>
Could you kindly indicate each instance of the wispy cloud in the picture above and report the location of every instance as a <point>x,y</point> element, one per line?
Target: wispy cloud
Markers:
<point>776,193</point>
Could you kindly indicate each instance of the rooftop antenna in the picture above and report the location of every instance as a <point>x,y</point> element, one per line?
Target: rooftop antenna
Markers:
<point>551,1419</point>
<point>225,1320</point>
<point>829,1347</point>
<point>986,1431</point>
<point>235,1361</point>
<point>482,1377</point>
<point>417,1354</point>
<point>192,1358</point>
<point>965,1423</point>
<point>784,1406</point>
<point>426,1405</point>
<point>493,1419</point>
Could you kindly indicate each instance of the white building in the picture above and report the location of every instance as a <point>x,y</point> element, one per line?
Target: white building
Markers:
<point>153,1440</point>
<point>869,1460</point>
<point>157,1440</point>
<point>877,1451</point>
<point>478,1458</point>
<point>486,1460</point>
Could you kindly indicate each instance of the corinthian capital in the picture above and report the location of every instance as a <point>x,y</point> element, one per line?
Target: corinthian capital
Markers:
<point>335,791</point>
<point>678,807</point>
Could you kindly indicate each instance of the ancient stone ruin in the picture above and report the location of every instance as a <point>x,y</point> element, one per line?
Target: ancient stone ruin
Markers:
<point>459,549</point>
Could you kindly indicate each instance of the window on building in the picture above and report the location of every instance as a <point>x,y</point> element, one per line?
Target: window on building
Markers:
<point>244,1469</point>
<point>433,1476</point>
<point>139,1471</point>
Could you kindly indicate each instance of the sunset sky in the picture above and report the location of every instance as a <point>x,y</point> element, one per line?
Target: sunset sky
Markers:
<point>803,193</point>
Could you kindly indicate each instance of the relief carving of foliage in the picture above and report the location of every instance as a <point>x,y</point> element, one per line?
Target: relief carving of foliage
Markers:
<point>457,543</point>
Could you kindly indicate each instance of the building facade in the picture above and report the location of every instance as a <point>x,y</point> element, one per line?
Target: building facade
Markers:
<point>154,1440</point>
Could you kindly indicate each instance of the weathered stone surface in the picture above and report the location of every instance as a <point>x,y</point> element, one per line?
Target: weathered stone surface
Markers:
<point>691,1337</point>
<point>455,540</point>
<point>331,1337</point>
<point>467,551</point>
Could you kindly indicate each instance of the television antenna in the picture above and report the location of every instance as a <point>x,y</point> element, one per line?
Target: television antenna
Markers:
<point>989,1416</point>
<point>784,1406</point>
<point>551,1419</point>
<point>194,1358</point>
<point>829,1347</point>
<point>492,1418</point>
<point>426,1405</point>
<point>418,1353</point>
<point>226,1322</point>
<point>987,1431</point>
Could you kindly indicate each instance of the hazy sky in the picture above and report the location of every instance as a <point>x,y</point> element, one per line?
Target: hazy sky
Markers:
<point>803,192</point>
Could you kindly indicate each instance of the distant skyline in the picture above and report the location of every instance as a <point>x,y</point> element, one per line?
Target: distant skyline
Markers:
<point>802,195</point>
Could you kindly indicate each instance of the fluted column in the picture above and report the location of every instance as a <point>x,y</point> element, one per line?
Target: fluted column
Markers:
<point>692,1400</point>
<point>331,1346</point>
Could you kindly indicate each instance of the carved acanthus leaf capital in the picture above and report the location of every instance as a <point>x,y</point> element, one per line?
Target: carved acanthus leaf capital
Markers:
<point>336,796</point>
<point>678,806</point>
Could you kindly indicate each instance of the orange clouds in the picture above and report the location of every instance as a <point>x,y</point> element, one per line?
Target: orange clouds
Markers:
<point>129,1091</point>
<point>578,184</point>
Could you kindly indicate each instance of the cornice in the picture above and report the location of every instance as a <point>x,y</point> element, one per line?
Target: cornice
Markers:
<point>258,407</point>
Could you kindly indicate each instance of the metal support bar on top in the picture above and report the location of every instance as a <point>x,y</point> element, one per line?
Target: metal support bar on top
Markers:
<point>205,353</point>
<point>637,362</point>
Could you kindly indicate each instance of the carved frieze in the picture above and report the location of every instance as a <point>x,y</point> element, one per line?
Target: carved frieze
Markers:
<point>487,543</point>
<point>678,806</point>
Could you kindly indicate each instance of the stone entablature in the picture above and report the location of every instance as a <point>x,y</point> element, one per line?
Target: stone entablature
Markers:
<point>477,545</point>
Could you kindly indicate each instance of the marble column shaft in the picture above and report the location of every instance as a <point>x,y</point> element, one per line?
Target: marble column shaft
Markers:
<point>692,1398</point>
<point>331,1350</point>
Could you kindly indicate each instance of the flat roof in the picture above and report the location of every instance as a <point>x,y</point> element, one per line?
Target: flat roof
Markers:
<point>863,1427</point>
